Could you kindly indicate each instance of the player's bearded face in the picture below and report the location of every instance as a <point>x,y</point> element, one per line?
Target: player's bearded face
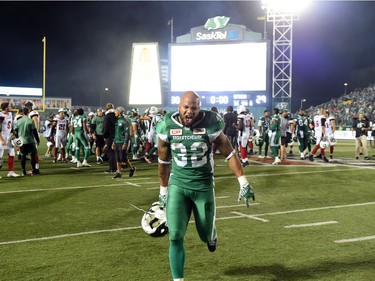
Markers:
<point>189,112</point>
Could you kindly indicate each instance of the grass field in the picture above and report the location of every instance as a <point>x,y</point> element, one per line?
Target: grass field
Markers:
<point>78,224</point>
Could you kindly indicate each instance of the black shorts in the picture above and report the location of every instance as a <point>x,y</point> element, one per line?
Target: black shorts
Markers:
<point>28,148</point>
<point>284,141</point>
<point>120,154</point>
<point>99,142</point>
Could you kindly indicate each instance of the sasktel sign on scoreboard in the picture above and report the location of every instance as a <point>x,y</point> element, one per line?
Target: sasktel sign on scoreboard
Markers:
<point>225,63</point>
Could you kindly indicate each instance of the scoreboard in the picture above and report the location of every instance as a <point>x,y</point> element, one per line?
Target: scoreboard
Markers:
<point>222,74</point>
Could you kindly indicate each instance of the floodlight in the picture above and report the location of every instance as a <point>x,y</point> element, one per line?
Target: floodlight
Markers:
<point>286,6</point>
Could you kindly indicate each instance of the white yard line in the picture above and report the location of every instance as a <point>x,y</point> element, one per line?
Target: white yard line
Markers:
<point>287,174</point>
<point>358,239</point>
<point>310,224</point>
<point>238,216</point>
<point>315,209</point>
<point>79,187</point>
<point>249,216</point>
<point>68,235</point>
<point>234,206</point>
<point>152,188</point>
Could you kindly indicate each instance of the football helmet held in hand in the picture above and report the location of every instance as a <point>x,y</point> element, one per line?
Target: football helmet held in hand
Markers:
<point>16,142</point>
<point>258,141</point>
<point>332,141</point>
<point>323,144</point>
<point>154,221</point>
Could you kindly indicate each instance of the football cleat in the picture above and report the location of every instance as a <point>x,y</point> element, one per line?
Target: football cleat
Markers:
<point>12,174</point>
<point>117,176</point>
<point>277,161</point>
<point>212,245</point>
<point>154,221</point>
<point>131,172</point>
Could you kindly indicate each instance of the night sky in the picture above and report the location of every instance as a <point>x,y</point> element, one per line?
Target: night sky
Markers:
<point>89,43</point>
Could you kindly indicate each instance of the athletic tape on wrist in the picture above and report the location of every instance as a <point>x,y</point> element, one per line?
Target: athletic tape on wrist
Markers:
<point>163,162</point>
<point>242,180</point>
<point>163,190</point>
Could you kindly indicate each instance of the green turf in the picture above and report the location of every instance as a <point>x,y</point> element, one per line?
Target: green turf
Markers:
<point>65,204</point>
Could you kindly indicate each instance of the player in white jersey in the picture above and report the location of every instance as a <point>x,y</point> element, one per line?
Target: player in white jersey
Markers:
<point>47,133</point>
<point>152,135</point>
<point>60,123</point>
<point>6,128</point>
<point>149,131</point>
<point>251,134</point>
<point>330,131</point>
<point>18,115</point>
<point>320,135</point>
<point>243,126</point>
<point>34,115</point>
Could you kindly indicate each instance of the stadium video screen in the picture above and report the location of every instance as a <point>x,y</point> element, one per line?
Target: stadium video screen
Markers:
<point>218,67</point>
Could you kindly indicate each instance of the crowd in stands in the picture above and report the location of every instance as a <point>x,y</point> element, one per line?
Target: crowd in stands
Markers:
<point>349,106</point>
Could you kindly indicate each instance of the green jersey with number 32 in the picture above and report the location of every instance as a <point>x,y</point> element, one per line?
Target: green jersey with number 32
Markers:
<point>192,160</point>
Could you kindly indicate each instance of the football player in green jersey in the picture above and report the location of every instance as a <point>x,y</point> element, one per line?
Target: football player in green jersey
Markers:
<point>263,138</point>
<point>25,129</point>
<point>185,141</point>
<point>302,127</point>
<point>80,130</point>
<point>275,135</point>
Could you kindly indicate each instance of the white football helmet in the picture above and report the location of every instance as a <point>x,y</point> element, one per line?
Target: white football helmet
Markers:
<point>323,144</point>
<point>258,141</point>
<point>154,221</point>
<point>135,110</point>
<point>17,142</point>
<point>241,108</point>
<point>153,110</point>
<point>332,141</point>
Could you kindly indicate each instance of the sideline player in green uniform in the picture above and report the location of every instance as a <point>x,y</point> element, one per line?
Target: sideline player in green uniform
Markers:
<point>97,134</point>
<point>120,143</point>
<point>275,135</point>
<point>302,126</point>
<point>25,130</point>
<point>79,131</point>
<point>263,128</point>
<point>185,139</point>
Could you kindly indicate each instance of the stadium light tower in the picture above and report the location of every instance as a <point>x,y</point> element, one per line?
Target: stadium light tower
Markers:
<point>282,13</point>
